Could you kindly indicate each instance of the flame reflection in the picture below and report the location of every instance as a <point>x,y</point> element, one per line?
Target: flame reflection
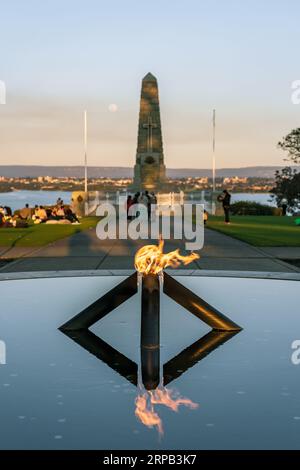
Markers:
<point>145,401</point>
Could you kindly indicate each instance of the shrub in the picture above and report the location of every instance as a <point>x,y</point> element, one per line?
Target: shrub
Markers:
<point>251,208</point>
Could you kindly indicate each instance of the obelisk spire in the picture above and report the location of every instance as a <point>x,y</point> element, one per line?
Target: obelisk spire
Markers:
<point>149,171</point>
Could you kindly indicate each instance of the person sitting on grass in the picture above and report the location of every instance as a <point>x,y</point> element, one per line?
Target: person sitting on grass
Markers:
<point>25,213</point>
<point>40,215</point>
<point>35,211</point>
<point>60,212</point>
<point>53,215</point>
<point>5,219</point>
<point>8,211</point>
<point>69,215</point>
<point>2,219</point>
<point>57,213</point>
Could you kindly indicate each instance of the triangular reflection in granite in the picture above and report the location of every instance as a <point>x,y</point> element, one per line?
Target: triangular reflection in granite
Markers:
<point>128,369</point>
<point>106,353</point>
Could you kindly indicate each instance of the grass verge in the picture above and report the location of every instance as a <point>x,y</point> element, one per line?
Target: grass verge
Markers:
<point>259,230</point>
<point>42,234</point>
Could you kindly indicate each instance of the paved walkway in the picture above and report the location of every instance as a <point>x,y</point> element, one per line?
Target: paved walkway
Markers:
<point>85,251</point>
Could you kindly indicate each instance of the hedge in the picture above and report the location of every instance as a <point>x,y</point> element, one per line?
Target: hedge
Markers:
<point>251,208</point>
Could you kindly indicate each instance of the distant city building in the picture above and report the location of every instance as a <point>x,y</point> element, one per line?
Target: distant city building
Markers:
<point>203,180</point>
<point>235,180</point>
<point>46,179</point>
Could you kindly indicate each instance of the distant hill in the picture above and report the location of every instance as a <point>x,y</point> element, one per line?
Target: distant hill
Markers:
<point>127,172</point>
<point>254,171</point>
<point>55,171</point>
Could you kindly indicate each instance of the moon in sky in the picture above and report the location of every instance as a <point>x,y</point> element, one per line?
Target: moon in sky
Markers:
<point>113,108</point>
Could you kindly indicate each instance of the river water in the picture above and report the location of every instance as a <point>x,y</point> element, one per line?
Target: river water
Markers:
<point>18,199</point>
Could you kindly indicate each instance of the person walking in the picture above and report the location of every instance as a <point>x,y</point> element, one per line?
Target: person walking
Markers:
<point>153,206</point>
<point>129,203</point>
<point>148,197</point>
<point>136,198</point>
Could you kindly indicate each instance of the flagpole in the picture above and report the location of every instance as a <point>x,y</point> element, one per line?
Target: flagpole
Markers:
<point>214,153</point>
<point>85,152</point>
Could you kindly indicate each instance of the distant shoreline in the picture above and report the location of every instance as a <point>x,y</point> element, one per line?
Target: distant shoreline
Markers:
<point>18,199</point>
<point>111,190</point>
<point>76,171</point>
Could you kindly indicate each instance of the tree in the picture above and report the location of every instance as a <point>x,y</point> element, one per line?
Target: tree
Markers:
<point>287,188</point>
<point>287,181</point>
<point>291,145</point>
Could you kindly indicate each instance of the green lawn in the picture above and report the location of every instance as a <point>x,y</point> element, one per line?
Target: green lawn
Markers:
<point>259,230</point>
<point>39,235</point>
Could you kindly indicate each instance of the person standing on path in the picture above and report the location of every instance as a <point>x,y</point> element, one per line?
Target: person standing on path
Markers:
<point>225,198</point>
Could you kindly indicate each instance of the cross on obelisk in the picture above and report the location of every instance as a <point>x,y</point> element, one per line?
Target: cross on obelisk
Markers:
<point>150,125</point>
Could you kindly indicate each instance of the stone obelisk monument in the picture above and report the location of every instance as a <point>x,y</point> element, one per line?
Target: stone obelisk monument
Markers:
<point>149,169</point>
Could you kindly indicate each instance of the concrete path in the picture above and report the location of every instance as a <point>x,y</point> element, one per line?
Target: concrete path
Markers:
<point>85,251</point>
<point>223,252</point>
<point>283,252</point>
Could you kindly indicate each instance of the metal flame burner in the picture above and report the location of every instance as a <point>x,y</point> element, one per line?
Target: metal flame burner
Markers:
<point>78,328</point>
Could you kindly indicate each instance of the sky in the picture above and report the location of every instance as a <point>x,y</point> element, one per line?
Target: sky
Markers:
<point>60,57</point>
